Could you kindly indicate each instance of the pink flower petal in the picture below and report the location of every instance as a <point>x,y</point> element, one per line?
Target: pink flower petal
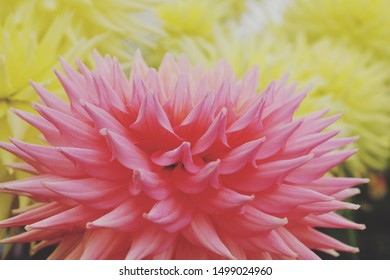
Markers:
<point>127,216</point>
<point>172,214</point>
<point>202,231</point>
<point>150,241</point>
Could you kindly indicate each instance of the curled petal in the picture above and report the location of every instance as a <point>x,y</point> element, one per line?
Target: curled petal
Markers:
<point>172,214</point>
<point>127,216</point>
<point>196,183</point>
<point>219,201</point>
<point>155,185</point>
<point>181,154</point>
<point>126,152</point>
<point>240,156</point>
<point>217,130</point>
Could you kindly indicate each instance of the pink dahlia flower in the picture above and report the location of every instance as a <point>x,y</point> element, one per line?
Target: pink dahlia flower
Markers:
<point>179,163</point>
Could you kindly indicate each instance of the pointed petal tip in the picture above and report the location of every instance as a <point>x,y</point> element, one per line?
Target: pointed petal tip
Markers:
<point>338,116</point>
<point>355,250</point>
<point>136,173</point>
<point>90,225</point>
<point>28,228</point>
<point>13,110</point>
<point>82,102</point>
<point>137,52</point>
<point>103,131</point>
<point>333,253</point>
<point>353,206</point>
<point>356,191</point>
<point>354,138</point>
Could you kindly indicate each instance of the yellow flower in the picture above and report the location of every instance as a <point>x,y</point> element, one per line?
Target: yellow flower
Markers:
<point>343,78</point>
<point>28,52</point>
<point>364,24</point>
<point>123,23</point>
<point>196,19</point>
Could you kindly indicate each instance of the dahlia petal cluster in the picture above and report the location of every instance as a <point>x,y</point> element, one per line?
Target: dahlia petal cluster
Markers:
<point>179,163</point>
<point>358,86</point>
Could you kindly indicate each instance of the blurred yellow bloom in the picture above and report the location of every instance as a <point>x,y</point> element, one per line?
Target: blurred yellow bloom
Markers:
<point>344,80</point>
<point>123,23</point>
<point>28,52</point>
<point>362,23</point>
<point>196,19</point>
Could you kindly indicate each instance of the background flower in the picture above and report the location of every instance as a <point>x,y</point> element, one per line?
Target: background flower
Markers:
<point>179,163</point>
<point>195,19</point>
<point>123,24</point>
<point>363,24</point>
